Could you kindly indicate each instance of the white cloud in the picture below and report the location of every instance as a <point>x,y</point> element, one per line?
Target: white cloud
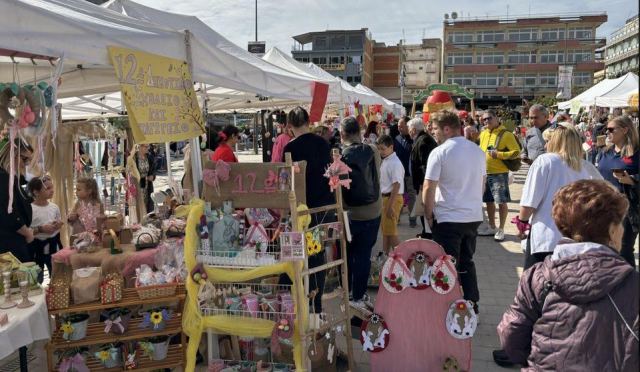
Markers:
<point>279,20</point>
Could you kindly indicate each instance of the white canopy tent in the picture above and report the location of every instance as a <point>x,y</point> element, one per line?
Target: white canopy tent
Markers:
<point>607,93</point>
<point>80,32</point>
<point>397,109</point>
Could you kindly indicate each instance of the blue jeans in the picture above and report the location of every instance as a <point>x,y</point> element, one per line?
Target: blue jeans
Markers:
<point>363,237</point>
<point>497,189</point>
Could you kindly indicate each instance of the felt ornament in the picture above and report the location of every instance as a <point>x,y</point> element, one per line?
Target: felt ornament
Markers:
<point>462,320</point>
<point>420,267</point>
<point>199,274</point>
<point>336,169</point>
<point>282,330</point>
<point>443,274</point>
<point>257,237</point>
<point>220,172</point>
<point>374,334</point>
<point>395,274</point>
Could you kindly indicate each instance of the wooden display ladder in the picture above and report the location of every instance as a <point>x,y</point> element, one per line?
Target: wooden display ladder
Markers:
<point>290,200</point>
<point>96,336</point>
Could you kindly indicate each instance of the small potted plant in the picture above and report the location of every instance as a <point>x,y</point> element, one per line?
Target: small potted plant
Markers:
<point>74,326</point>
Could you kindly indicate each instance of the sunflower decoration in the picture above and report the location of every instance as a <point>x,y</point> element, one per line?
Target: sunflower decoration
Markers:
<point>156,318</point>
<point>314,244</point>
<point>67,329</point>
<point>103,355</point>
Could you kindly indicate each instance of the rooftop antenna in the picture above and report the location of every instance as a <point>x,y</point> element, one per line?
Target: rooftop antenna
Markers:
<point>424,30</point>
<point>403,38</point>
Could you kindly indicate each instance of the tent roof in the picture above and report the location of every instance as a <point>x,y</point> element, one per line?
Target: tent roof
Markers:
<point>81,31</point>
<point>607,93</point>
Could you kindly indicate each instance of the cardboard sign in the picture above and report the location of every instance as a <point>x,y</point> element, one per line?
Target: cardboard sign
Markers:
<point>257,185</point>
<point>158,92</point>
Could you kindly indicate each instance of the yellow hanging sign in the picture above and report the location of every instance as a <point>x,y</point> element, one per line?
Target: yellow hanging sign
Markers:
<point>159,96</point>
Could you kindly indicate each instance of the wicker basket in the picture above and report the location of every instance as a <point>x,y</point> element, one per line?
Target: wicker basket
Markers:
<point>153,291</point>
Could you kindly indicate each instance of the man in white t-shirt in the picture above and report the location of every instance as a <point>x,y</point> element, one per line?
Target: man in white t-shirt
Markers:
<point>391,188</point>
<point>452,197</point>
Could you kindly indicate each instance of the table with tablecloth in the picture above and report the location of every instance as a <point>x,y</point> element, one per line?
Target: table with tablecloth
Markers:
<point>25,326</point>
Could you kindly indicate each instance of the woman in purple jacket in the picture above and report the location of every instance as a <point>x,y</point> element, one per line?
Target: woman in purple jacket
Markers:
<point>578,309</point>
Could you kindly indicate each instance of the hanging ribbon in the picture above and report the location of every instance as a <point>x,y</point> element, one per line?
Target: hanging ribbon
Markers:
<point>75,363</point>
<point>13,131</point>
<point>110,323</point>
<point>212,177</point>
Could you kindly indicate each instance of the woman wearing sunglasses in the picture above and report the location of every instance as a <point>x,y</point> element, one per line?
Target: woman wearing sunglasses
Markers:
<point>619,164</point>
<point>15,232</point>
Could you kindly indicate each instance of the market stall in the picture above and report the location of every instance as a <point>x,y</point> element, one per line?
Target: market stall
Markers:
<point>607,93</point>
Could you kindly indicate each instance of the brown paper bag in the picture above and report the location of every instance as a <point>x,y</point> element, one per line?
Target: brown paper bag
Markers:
<point>85,284</point>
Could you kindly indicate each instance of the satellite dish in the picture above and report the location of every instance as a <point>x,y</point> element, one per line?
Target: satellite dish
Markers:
<point>446,16</point>
<point>454,15</point>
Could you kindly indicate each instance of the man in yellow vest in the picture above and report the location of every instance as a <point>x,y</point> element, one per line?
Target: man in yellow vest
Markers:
<point>498,144</point>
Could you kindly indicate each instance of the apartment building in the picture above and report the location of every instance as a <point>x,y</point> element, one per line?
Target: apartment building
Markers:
<point>386,70</point>
<point>621,55</point>
<point>506,59</point>
<point>347,54</point>
<point>421,66</point>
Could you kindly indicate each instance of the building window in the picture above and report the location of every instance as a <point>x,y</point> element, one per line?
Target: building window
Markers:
<point>355,42</point>
<point>577,56</point>
<point>491,36</point>
<point>525,34</point>
<point>319,60</point>
<point>581,78</point>
<point>465,58</point>
<point>551,56</point>
<point>548,80</point>
<point>490,58</point>
<point>553,34</point>
<point>461,79</point>
<point>460,37</point>
<point>349,79</point>
<point>320,43</point>
<point>357,79</point>
<point>354,59</point>
<point>488,80</point>
<point>580,33</point>
<point>521,80</point>
<point>522,57</point>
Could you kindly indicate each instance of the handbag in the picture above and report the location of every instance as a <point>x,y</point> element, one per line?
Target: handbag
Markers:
<point>512,164</point>
<point>85,284</point>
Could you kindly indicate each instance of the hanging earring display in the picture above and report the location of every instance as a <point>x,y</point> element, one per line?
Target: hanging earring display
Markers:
<point>374,334</point>
<point>462,320</point>
<point>420,267</point>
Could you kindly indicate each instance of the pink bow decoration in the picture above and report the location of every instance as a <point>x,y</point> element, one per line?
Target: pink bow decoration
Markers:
<point>212,177</point>
<point>75,363</point>
<point>110,323</point>
<point>336,169</point>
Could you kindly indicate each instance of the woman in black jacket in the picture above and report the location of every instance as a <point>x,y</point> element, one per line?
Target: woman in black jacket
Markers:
<point>15,232</point>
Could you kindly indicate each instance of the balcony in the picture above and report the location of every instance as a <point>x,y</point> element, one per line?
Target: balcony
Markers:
<point>621,56</point>
<point>333,66</point>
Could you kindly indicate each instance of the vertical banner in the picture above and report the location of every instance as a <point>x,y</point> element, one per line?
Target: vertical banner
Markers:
<point>319,92</point>
<point>565,75</point>
<point>159,96</point>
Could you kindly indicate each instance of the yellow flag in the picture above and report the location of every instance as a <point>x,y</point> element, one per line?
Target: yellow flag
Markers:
<point>159,96</point>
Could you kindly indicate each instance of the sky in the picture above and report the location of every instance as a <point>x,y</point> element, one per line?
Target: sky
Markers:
<point>279,20</point>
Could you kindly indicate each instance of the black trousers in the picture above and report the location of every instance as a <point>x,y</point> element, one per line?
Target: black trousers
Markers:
<point>37,255</point>
<point>459,241</point>
<point>628,241</point>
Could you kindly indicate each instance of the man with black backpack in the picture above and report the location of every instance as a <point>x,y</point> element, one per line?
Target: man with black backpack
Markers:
<point>502,150</point>
<point>362,201</point>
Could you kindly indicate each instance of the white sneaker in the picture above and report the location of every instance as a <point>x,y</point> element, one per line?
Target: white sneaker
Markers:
<point>488,231</point>
<point>499,236</point>
<point>359,305</point>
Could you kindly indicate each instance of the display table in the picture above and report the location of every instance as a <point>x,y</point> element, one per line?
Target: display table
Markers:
<point>125,262</point>
<point>25,327</point>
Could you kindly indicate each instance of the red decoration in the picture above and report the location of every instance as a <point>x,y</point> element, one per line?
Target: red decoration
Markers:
<point>319,92</point>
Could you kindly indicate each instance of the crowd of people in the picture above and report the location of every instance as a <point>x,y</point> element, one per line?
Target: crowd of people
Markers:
<point>579,214</point>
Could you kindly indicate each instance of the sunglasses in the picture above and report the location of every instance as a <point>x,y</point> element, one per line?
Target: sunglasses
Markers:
<point>487,118</point>
<point>611,129</point>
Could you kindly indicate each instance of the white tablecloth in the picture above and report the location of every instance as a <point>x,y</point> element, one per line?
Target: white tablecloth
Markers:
<point>25,325</point>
